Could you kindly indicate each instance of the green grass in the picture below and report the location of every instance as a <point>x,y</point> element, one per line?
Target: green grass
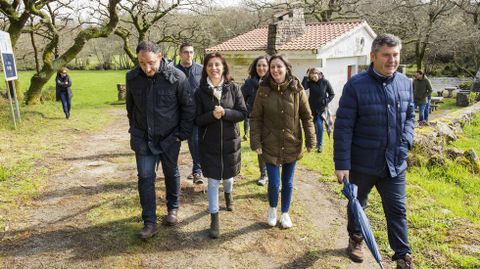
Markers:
<point>43,129</point>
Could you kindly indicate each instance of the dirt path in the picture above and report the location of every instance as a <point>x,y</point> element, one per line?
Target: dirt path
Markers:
<point>60,229</point>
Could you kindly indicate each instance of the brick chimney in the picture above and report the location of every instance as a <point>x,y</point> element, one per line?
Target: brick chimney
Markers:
<point>286,26</point>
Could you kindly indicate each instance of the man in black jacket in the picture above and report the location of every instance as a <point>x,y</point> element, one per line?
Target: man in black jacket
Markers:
<point>160,111</point>
<point>193,71</point>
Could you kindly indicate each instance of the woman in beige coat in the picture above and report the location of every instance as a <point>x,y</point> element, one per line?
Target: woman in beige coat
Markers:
<point>279,112</point>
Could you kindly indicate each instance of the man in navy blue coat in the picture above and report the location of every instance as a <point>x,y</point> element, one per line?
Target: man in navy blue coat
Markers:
<point>193,71</point>
<point>372,135</point>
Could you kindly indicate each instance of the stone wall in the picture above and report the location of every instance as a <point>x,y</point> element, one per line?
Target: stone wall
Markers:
<point>431,141</point>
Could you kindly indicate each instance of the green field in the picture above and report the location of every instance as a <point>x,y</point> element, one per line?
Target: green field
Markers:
<point>443,202</point>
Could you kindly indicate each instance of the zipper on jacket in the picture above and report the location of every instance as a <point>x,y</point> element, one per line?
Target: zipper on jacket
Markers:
<point>221,142</point>
<point>221,147</point>
<point>204,133</point>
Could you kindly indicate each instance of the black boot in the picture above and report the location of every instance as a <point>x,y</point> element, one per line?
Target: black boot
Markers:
<point>229,201</point>
<point>214,226</point>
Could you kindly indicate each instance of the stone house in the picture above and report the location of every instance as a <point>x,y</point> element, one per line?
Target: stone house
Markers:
<point>339,48</point>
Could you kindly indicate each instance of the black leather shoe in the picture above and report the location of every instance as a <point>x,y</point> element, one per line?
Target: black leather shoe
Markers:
<point>171,218</point>
<point>149,230</point>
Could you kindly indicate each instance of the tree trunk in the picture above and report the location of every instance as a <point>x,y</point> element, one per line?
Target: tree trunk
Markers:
<point>36,85</point>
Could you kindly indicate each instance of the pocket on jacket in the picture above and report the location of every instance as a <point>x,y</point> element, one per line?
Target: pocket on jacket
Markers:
<point>166,98</point>
<point>292,138</point>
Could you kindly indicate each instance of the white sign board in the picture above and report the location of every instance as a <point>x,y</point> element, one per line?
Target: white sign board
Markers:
<point>8,60</point>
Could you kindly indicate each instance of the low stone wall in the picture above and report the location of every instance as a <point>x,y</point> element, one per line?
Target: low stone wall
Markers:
<point>430,141</point>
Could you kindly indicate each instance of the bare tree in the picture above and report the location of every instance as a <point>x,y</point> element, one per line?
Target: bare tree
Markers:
<point>320,10</point>
<point>18,13</point>
<point>471,8</point>
<point>417,22</point>
<point>140,17</point>
<point>51,59</point>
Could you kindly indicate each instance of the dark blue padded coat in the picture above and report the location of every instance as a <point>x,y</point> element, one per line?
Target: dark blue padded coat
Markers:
<point>373,129</point>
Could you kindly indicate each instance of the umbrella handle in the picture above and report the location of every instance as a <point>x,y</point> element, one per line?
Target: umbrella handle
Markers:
<point>345,180</point>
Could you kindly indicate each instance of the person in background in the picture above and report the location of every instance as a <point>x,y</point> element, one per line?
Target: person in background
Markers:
<point>64,90</point>
<point>160,112</point>
<point>193,71</point>
<point>258,69</point>
<point>372,135</point>
<point>421,90</point>
<point>321,94</point>
<point>279,112</point>
<point>305,81</point>
<point>220,106</point>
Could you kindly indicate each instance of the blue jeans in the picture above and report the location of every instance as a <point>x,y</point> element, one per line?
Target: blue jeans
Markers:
<point>213,185</point>
<point>392,192</point>
<point>273,172</point>
<point>146,181</point>
<point>318,121</point>
<point>194,151</point>
<point>421,111</point>
<point>427,109</point>
<point>66,103</point>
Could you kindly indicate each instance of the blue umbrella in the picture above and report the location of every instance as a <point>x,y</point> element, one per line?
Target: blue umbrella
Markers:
<point>350,191</point>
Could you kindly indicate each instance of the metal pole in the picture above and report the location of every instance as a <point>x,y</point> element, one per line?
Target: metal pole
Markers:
<point>14,91</point>
<point>12,114</point>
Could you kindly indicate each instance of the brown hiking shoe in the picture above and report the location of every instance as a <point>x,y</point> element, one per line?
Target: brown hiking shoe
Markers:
<point>405,263</point>
<point>355,248</point>
<point>171,218</point>
<point>149,230</point>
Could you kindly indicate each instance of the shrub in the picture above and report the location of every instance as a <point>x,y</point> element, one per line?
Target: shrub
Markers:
<point>466,85</point>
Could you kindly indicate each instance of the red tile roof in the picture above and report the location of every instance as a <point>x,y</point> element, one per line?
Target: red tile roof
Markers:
<point>315,36</point>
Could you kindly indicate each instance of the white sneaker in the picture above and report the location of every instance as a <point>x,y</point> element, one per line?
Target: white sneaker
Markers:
<point>272,216</point>
<point>285,221</point>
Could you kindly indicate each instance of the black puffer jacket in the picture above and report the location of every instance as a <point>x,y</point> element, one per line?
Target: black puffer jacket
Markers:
<point>219,140</point>
<point>321,93</point>
<point>160,108</point>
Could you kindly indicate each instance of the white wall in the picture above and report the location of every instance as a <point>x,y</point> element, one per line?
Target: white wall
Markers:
<point>336,71</point>
<point>348,50</point>
<point>300,66</point>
